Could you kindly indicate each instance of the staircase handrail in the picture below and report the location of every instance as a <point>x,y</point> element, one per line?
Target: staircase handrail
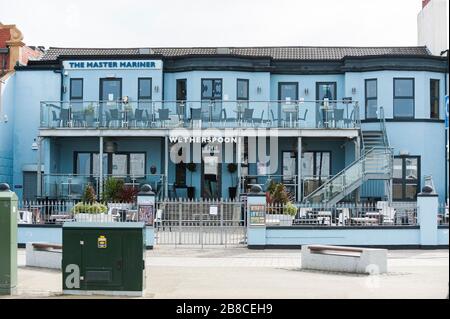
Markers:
<point>371,150</point>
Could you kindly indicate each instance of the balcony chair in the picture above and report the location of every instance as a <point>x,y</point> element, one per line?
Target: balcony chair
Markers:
<point>216,113</point>
<point>78,119</point>
<point>64,117</point>
<point>259,120</point>
<point>196,115</point>
<point>274,120</point>
<point>139,117</point>
<point>113,117</point>
<point>163,116</point>
<point>227,119</point>
<point>338,117</point>
<point>350,121</point>
<point>55,119</point>
<point>303,118</point>
<point>248,116</point>
<point>387,212</point>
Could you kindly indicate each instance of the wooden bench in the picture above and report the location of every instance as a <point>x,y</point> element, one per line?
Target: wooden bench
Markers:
<point>43,255</point>
<point>344,259</point>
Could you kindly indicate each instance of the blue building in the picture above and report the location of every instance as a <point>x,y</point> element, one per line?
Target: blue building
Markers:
<point>350,123</point>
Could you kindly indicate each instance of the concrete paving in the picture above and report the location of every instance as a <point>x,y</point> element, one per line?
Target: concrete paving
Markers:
<point>242,273</point>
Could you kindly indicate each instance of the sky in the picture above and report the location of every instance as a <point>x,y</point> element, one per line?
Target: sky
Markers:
<point>175,23</point>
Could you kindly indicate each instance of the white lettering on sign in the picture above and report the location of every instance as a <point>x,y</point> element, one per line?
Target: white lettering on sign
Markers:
<point>108,65</point>
<point>73,277</point>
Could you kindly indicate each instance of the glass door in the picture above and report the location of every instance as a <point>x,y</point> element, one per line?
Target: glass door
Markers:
<point>181,98</point>
<point>211,173</point>
<point>110,95</point>
<point>288,95</point>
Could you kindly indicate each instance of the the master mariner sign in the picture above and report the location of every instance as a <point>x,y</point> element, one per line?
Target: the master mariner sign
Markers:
<point>116,65</point>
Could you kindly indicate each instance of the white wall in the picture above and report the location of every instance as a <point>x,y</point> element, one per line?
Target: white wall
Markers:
<point>432,23</point>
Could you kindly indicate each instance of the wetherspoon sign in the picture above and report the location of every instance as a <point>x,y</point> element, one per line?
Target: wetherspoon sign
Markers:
<point>113,65</point>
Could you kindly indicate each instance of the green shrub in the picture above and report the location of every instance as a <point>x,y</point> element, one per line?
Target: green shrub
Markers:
<point>88,195</point>
<point>112,190</point>
<point>290,209</point>
<point>89,208</point>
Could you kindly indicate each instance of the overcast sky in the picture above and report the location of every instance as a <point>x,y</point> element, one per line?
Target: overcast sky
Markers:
<point>138,23</point>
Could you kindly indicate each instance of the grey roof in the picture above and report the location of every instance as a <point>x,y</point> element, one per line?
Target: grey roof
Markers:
<point>277,53</point>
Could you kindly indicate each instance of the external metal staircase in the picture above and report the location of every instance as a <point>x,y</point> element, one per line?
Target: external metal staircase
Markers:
<point>375,163</point>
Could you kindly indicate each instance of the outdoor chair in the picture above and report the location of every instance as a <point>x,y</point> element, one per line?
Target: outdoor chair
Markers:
<point>78,119</point>
<point>303,118</point>
<point>260,119</point>
<point>163,116</point>
<point>274,120</point>
<point>196,115</point>
<point>64,117</point>
<point>228,119</point>
<point>56,120</point>
<point>114,117</point>
<point>349,122</point>
<point>338,117</point>
<point>248,116</point>
<point>139,117</point>
<point>216,113</point>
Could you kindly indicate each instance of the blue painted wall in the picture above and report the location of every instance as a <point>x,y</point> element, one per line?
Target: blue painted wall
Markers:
<point>7,129</point>
<point>31,88</point>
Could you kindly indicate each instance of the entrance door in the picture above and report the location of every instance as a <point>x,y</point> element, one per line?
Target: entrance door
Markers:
<point>211,173</point>
<point>287,94</point>
<point>181,98</point>
<point>29,186</point>
<point>110,94</point>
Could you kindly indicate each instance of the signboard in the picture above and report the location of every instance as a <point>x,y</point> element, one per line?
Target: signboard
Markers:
<point>113,65</point>
<point>257,215</point>
<point>102,242</point>
<point>146,214</point>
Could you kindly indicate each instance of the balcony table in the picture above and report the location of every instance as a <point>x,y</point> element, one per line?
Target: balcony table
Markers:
<point>291,111</point>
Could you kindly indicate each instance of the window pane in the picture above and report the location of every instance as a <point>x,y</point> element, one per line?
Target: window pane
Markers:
<point>242,90</point>
<point>411,168</point>
<point>308,164</point>
<point>434,95</point>
<point>207,89</point>
<point>83,164</point>
<point>397,193</point>
<point>323,164</point>
<point>404,87</point>
<point>403,108</point>
<point>96,164</point>
<point>372,109</point>
<point>217,93</point>
<point>76,89</point>
<point>326,91</point>
<point>411,191</point>
<point>119,165</point>
<point>137,165</point>
<point>145,89</point>
<point>288,92</point>
<point>398,168</point>
<point>371,88</point>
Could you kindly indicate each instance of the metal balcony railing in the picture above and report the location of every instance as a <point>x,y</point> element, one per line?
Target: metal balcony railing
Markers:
<point>147,114</point>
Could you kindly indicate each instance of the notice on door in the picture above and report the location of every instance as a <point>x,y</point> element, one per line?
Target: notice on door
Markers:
<point>102,242</point>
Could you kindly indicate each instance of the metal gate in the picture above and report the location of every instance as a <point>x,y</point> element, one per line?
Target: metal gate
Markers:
<point>200,223</point>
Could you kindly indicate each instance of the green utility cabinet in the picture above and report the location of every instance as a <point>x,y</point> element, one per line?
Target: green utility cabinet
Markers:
<point>104,258</point>
<point>8,240</point>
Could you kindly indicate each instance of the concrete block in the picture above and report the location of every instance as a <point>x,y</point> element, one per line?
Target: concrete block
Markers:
<point>43,258</point>
<point>344,259</point>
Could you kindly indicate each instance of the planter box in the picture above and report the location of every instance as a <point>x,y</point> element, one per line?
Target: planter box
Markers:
<point>100,218</point>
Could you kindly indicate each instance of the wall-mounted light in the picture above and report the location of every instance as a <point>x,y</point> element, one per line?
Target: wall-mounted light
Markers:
<point>353,90</point>
<point>5,118</point>
<point>404,152</point>
<point>258,90</point>
<point>156,88</point>
<point>35,145</point>
<point>66,73</point>
<point>306,91</point>
<point>65,89</point>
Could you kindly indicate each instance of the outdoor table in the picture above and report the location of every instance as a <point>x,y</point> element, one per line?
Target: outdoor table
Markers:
<point>290,110</point>
<point>328,115</point>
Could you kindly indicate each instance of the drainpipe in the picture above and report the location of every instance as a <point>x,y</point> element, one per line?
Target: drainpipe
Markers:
<point>100,166</point>
<point>39,167</point>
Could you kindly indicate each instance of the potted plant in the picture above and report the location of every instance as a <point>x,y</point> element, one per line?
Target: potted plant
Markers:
<point>232,191</point>
<point>281,210</point>
<point>89,113</point>
<point>88,209</point>
<point>192,167</point>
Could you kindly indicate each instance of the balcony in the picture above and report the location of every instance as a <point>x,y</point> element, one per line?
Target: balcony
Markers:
<point>121,115</point>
